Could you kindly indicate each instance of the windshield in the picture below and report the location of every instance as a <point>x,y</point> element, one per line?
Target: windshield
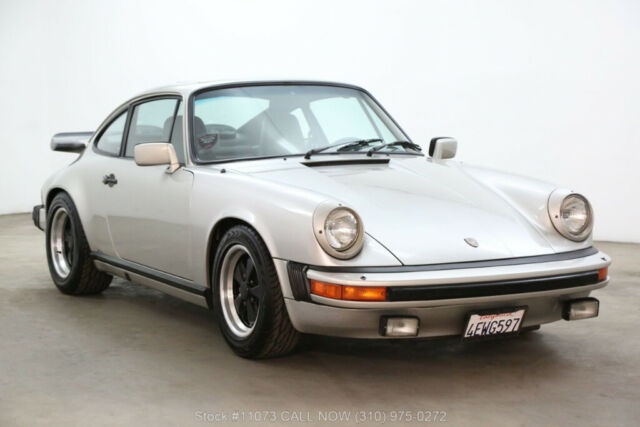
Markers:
<point>282,120</point>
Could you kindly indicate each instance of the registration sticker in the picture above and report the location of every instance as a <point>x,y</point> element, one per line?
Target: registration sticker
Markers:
<point>497,322</point>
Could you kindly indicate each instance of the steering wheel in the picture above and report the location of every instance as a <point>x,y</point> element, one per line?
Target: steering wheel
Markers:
<point>207,140</point>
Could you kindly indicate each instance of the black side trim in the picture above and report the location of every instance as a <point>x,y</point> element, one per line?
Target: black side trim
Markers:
<point>298,281</point>
<point>346,162</point>
<point>150,273</point>
<point>482,289</point>
<point>460,265</point>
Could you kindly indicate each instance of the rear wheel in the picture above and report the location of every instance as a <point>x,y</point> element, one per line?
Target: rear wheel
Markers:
<point>68,252</point>
<point>247,297</point>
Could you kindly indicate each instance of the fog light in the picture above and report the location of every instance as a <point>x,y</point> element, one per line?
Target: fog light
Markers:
<point>579,309</point>
<point>399,326</point>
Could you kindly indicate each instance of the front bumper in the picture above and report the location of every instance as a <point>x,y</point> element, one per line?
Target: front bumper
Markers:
<point>39,216</point>
<point>446,303</point>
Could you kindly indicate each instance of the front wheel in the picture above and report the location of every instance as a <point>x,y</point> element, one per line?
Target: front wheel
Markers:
<point>247,297</point>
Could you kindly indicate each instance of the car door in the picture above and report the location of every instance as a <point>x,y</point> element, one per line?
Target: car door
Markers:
<point>104,156</point>
<point>148,208</point>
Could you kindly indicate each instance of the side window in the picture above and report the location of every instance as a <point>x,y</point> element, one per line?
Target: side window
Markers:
<point>111,139</point>
<point>151,122</point>
<point>177,138</point>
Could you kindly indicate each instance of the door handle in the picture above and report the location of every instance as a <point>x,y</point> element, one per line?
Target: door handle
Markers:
<point>109,180</point>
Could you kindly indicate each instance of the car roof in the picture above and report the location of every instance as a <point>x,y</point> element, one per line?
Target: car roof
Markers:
<point>187,88</point>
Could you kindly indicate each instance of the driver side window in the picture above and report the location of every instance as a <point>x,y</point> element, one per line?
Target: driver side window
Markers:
<point>151,121</point>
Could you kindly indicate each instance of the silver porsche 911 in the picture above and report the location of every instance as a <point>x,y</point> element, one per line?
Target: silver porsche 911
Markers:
<point>293,207</point>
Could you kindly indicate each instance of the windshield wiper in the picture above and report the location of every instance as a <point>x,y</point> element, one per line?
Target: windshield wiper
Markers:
<point>348,144</point>
<point>404,144</point>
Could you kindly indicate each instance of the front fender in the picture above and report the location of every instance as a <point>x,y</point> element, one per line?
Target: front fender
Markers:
<point>529,197</point>
<point>282,216</point>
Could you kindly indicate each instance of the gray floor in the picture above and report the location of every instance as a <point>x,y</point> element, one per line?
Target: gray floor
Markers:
<point>133,355</point>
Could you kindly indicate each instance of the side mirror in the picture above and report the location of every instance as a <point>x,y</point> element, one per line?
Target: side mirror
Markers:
<point>156,153</point>
<point>443,147</point>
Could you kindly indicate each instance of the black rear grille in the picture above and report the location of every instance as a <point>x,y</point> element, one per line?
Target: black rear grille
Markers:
<point>483,289</point>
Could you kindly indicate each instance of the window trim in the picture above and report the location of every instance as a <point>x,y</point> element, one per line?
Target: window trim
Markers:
<point>116,115</point>
<point>127,107</point>
<point>191,110</point>
<point>132,105</point>
<point>173,125</point>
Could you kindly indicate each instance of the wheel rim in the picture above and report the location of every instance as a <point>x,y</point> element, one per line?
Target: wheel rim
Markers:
<point>61,241</point>
<point>241,293</point>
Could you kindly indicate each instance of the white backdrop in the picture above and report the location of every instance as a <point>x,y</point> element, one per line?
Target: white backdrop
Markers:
<point>549,89</point>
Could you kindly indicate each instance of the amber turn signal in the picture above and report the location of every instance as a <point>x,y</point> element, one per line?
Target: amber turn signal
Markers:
<point>349,293</point>
<point>327,290</point>
<point>364,293</point>
<point>603,273</point>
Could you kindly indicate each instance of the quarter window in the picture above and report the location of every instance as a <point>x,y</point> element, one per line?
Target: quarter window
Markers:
<point>151,122</point>
<point>111,139</point>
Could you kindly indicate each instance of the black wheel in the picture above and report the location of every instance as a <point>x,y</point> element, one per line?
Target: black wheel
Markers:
<point>70,265</point>
<point>247,297</point>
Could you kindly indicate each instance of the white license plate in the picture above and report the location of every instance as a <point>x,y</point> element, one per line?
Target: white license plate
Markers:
<point>492,323</point>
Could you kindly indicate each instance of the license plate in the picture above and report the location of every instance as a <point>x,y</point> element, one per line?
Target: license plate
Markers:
<point>498,322</point>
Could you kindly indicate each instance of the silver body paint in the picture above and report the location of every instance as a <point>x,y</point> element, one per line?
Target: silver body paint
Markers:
<point>416,212</point>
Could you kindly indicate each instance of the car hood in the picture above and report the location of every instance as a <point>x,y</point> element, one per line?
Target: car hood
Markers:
<point>421,211</point>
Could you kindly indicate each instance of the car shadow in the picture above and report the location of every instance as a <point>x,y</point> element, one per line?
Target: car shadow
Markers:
<point>180,344</point>
<point>154,303</point>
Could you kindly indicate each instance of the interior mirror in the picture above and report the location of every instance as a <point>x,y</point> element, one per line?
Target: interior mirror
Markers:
<point>156,153</point>
<point>443,147</point>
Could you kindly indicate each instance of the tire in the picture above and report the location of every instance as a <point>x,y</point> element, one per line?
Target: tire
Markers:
<point>70,264</point>
<point>250,307</point>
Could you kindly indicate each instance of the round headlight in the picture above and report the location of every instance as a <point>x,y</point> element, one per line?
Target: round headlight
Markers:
<point>339,230</point>
<point>571,215</point>
<point>574,214</point>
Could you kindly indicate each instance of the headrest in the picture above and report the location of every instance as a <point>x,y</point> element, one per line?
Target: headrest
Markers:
<point>199,128</point>
<point>166,128</point>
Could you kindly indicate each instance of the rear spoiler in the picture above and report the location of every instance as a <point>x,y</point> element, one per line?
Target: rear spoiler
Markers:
<point>70,142</point>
